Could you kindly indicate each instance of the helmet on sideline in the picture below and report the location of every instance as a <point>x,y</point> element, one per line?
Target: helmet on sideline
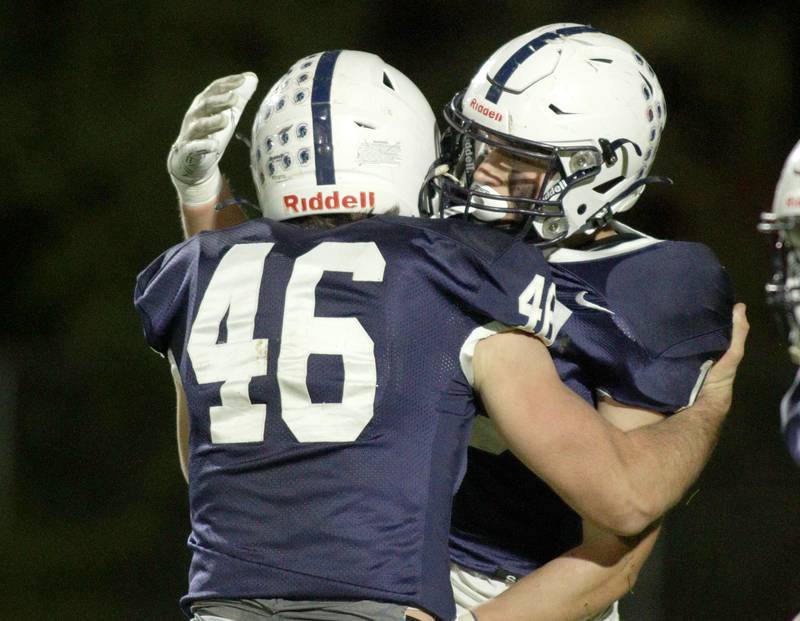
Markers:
<point>341,132</point>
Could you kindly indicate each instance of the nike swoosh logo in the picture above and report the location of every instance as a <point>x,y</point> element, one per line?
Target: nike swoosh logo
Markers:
<point>581,300</point>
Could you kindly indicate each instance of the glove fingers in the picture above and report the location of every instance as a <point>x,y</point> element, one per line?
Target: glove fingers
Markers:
<point>214,104</point>
<point>235,99</point>
<point>222,85</point>
<point>243,95</point>
<point>247,88</point>
<point>207,128</point>
<point>204,127</point>
<point>238,90</point>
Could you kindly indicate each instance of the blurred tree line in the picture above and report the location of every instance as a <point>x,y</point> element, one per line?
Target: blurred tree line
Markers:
<point>93,511</point>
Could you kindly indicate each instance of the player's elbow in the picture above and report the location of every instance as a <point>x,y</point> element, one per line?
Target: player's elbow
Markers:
<point>635,505</point>
<point>630,516</point>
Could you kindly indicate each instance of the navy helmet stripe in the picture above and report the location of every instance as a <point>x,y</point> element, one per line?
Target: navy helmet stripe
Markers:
<point>524,53</point>
<point>321,118</point>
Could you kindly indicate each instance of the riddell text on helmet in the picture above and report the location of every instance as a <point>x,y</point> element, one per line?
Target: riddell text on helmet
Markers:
<point>485,110</point>
<point>332,200</point>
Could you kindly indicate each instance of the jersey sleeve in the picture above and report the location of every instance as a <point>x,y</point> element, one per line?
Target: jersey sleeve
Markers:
<point>677,308</point>
<point>517,290</point>
<point>158,291</point>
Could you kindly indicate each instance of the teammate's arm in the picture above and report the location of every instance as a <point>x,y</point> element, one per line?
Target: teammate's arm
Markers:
<point>193,160</point>
<point>586,580</point>
<point>575,586</point>
<point>206,216</point>
<point>622,481</point>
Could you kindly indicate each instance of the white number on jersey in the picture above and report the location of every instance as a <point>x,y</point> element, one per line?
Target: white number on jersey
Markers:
<point>530,305</point>
<point>234,289</point>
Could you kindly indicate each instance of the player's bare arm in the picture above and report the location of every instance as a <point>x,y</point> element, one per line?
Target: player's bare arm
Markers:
<point>597,570</point>
<point>623,481</point>
<point>219,213</point>
<point>193,161</point>
<point>602,569</point>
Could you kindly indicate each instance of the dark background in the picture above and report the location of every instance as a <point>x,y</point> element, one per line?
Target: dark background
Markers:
<point>93,515</point>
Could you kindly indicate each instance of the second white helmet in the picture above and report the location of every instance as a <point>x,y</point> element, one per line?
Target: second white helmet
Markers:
<point>582,104</point>
<point>341,132</point>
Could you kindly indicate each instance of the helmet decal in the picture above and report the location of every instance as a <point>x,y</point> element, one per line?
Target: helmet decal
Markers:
<point>321,118</point>
<point>524,53</point>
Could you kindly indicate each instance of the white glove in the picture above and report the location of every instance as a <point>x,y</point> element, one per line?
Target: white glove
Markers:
<point>207,128</point>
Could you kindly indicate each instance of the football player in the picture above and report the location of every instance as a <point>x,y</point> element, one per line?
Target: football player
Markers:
<point>555,135</point>
<point>328,417</point>
<point>783,290</point>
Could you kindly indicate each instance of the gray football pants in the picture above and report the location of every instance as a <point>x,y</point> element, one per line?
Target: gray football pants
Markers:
<point>290,610</point>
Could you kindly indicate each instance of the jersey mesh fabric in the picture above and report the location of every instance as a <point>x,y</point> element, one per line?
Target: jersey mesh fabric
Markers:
<point>360,519</point>
<point>643,324</point>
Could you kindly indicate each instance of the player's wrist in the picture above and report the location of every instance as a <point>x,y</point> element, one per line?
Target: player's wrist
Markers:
<point>201,193</point>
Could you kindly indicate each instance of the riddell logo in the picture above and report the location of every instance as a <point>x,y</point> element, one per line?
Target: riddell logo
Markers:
<point>793,201</point>
<point>485,110</point>
<point>334,200</point>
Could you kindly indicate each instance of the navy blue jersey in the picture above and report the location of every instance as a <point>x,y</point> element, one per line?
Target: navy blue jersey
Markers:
<point>790,418</point>
<point>328,380</point>
<point>648,318</point>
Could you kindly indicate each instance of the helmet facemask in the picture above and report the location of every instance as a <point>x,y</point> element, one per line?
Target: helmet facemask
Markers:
<point>584,103</point>
<point>539,204</point>
<point>783,289</point>
<point>783,223</point>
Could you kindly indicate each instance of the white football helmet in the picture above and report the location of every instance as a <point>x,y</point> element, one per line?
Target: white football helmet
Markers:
<point>341,132</point>
<point>783,289</point>
<point>578,103</point>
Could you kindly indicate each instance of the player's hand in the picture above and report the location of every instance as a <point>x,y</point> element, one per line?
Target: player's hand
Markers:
<point>207,128</point>
<point>718,387</point>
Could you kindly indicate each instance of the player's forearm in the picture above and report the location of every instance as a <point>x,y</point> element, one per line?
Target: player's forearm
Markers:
<point>577,585</point>
<point>554,592</point>
<point>207,217</point>
<point>558,435</point>
<point>622,481</point>
<point>664,459</point>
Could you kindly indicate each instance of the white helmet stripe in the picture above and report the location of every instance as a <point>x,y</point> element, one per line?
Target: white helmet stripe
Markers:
<point>321,118</point>
<point>524,53</point>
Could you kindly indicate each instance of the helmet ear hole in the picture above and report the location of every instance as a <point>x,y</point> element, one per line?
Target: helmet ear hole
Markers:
<point>581,210</point>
